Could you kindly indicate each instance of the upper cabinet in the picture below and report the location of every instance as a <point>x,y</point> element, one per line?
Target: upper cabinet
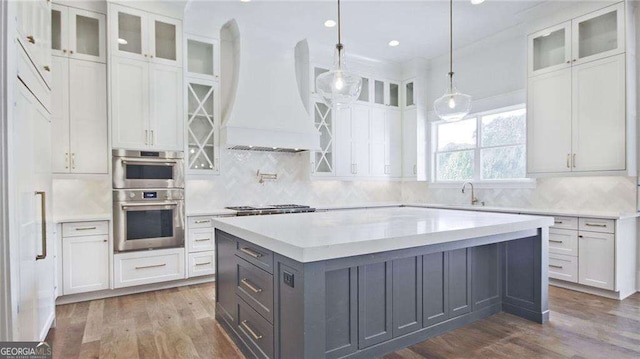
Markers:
<point>386,93</point>
<point>140,35</point>
<point>33,27</point>
<point>202,57</point>
<point>590,37</point>
<point>78,34</point>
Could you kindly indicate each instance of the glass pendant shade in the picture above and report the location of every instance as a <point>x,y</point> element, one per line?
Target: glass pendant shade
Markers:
<point>453,105</point>
<point>339,87</point>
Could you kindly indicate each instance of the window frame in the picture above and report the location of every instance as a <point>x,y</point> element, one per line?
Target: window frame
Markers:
<point>523,182</point>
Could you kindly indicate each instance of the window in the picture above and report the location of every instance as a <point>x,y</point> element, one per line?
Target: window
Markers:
<point>488,146</point>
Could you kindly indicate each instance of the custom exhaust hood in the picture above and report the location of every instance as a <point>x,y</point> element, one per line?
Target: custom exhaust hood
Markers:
<point>264,92</point>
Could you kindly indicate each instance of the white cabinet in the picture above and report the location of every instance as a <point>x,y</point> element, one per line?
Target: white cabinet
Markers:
<point>85,257</point>
<point>34,34</point>
<point>79,112</point>
<point>140,35</point>
<point>201,246</point>
<point>410,143</point>
<point>146,103</point>
<point>385,142</point>
<point>146,267</point>
<point>352,141</point>
<point>386,93</point>
<point>596,260</point>
<point>590,37</point>
<point>323,162</point>
<point>202,60</point>
<point>78,34</point>
<point>203,126</point>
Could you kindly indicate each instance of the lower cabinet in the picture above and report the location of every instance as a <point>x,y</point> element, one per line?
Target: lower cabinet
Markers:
<point>374,304</point>
<point>201,246</point>
<point>202,263</point>
<point>85,257</point>
<point>146,267</point>
<point>596,259</point>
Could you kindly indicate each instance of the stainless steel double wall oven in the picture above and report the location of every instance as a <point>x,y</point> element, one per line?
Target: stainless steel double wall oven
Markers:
<point>148,199</point>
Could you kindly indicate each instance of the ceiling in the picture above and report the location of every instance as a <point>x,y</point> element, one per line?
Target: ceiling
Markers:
<point>421,27</point>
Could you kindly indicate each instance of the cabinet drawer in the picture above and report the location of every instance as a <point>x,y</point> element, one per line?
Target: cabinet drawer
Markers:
<point>200,222</point>
<point>261,257</point>
<point>256,332</point>
<point>203,263</point>
<point>563,241</point>
<point>78,229</point>
<point>201,239</point>
<point>563,267</point>
<point>597,225</point>
<point>255,286</point>
<point>137,268</point>
<point>565,222</point>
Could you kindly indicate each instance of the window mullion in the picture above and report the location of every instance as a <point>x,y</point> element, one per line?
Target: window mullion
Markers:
<point>477,162</point>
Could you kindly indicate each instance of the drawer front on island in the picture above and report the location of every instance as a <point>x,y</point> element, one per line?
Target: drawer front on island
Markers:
<point>255,331</point>
<point>145,267</point>
<point>260,257</point>
<point>255,286</point>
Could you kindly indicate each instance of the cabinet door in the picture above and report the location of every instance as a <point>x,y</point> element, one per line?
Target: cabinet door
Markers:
<point>130,103</point>
<point>167,126</point>
<point>85,264</point>
<point>596,259</point>
<point>87,35</point>
<point>408,96</point>
<point>323,161</point>
<point>226,273</point>
<point>410,143</point>
<point>202,57</point>
<point>165,40</point>
<point>379,92</point>
<point>407,295</point>
<point>549,49</point>
<point>88,116</point>
<point>459,278</point>
<point>435,288</point>
<point>41,56</point>
<point>599,34</point>
<point>393,143</point>
<point>60,115</point>
<point>599,115</point>
<point>377,142</point>
<point>393,95</point>
<point>344,135</point>
<point>129,32</point>
<point>203,126</point>
<point>549,123</point>
<point>59,30</point>
<point>360,122</point>
<point>374,304</point>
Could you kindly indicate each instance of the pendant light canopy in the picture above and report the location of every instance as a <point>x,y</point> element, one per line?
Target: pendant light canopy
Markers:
<point>453,105</point>
<point>339,87</point>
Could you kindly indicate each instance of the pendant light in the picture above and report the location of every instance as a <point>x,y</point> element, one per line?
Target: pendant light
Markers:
<point>339,87</point>
<point>453,105</point>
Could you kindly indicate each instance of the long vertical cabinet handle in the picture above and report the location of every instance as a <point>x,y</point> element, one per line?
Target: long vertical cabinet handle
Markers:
<point>43,204</point>
<point>66,160</point>
<point>146,137</point>
<point>73,160</point>
<point>152,138</point>
<point>574,160</point>
<point>568,160</point>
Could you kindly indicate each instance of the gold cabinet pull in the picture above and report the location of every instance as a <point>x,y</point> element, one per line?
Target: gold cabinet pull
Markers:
<point>203,264</point>
<point>574,160</point>
<point>246,326</point>
<point>555,266</point>
<point>554,241</point>
<point>66,160</point>
<point>152,138</point>
<point>146,137</point>
<point>73,161</point>
<point>85,228</point>
<point>202,221</point>
<point>248,284</point>
<point>203,239</point>
<point>568,160</point>
<point>43,209</point>
<point>152,266</point>
<point>250,252</point>
<point>47,68</point>
<point>602,225</point>
<point>31,39</point>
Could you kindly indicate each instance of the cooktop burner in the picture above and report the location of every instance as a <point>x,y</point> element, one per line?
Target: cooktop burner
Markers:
<point>271,209</point>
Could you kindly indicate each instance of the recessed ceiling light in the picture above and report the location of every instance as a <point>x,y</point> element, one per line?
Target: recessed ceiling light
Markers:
<point>122,41</point>
<point>245,0</point>
<point>329,23</point>
<point>477,2</point>
<point>394,43</point>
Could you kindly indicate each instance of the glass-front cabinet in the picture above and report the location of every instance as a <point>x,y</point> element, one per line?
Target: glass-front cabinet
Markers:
<point>408,94</point>
<point>202,57</point>
<point>78,34</point>
<point>323,161</point>
<point>145,36</point>
<point>203,125</point>
<point>386,93</point>
<point>590,37</point>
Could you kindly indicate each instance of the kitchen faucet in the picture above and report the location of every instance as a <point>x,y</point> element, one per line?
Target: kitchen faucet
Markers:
<point>474,200</point>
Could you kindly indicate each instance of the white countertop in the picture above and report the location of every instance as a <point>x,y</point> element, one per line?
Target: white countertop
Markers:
<point>309,237</point>
<point>212,212</point>
<point>81,218</point>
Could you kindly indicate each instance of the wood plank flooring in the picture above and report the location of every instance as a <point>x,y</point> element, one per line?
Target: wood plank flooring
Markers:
<point>179,323</point>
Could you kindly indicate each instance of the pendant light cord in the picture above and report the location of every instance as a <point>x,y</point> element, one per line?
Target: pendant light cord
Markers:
<point>339,44</point>
<point>450,45</point>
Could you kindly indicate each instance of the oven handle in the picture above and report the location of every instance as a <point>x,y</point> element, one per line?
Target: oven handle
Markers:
<point>152,161</point>
<point>155,204</point>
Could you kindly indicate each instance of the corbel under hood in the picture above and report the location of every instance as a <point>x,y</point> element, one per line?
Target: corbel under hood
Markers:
<point>262,100</point>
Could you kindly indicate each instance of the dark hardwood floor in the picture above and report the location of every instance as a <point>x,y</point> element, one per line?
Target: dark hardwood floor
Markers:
<point>179,323</point>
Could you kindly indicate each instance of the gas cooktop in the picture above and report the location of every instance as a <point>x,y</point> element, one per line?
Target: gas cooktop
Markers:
<point>270,209</point>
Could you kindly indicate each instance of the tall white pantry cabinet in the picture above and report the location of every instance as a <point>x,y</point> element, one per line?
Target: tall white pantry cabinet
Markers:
<point>574,127</point>
<point>146,80</point>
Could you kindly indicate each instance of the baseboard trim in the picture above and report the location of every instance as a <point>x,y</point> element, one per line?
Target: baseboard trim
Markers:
<point>589,290</point>
<point>108,293</point>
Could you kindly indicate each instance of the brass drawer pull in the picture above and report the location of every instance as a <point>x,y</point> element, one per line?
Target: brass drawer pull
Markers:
<point>246,326</point>
<point>554,241</point>
<point>31,39</point>
<point>595,225</point>
<point>43,213</point>
<point>202,221</point>
<point>248,284</point>
<point>203,239</point>
<point>85,228</point>
<point>557,222</point>
<point>152,266</point>
<point>555,266</point>
<point>250,252</point>
<point>203,264</point>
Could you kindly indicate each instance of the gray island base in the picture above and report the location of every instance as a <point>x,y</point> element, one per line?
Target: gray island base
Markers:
<point>368,305</point>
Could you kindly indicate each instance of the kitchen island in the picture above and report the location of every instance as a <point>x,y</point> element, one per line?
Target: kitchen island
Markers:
<point>362,283</point>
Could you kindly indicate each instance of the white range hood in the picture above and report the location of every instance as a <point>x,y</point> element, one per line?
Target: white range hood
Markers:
<point>262,108</point>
